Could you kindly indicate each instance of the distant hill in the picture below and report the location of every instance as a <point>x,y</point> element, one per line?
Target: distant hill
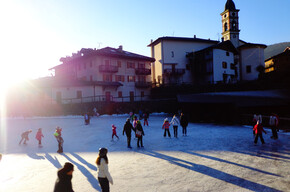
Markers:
<point>275,49</point>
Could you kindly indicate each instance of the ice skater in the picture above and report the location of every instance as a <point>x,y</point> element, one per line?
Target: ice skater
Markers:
<point>139,134</point>
<point>258,132</point>
<point>104,176</point>
<point>273,122</point>
<point>87,119</point>
<point>39,136</point>
<point>114,132</point>
<point>64,177</point>
<point>145,116</point>
<point>128,127</point>
<point>166,126</point>
<point>183,123</point>
<point>24,136</point>
<point>59,139</point>
<point>174,122</point>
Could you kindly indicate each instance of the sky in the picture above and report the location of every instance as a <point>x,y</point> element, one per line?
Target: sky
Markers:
<point>35,34</point>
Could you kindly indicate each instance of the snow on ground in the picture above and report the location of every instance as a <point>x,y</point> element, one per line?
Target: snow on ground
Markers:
<point>211,158</point>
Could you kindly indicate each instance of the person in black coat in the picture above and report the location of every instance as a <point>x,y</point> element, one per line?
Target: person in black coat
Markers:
<point>63,182</point>
<point>183,123</point>
<point>139,134</point>
<point>128,127</point>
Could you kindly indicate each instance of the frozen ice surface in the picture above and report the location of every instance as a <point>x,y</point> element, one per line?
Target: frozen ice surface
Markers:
<point>211,158</point>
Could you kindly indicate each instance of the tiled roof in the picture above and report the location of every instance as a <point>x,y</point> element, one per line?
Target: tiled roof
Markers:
<point>250,45</point>
<point>181,39</point>
<point>225,45</point>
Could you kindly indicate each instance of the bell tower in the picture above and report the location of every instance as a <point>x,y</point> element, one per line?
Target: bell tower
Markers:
<point>230,22</point>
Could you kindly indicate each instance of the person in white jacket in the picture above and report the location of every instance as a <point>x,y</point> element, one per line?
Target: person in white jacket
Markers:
<point>175,123</point>
<point>104,176</point>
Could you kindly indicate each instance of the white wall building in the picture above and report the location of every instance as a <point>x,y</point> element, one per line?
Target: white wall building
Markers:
<point>192,60</point>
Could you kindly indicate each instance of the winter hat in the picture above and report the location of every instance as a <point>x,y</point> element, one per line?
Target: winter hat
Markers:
<point>68,167</point>
<point>166,119</point>
<point>128,119</point>
<point>113,126</point>
<point>103,151</point>
<point>138,122</point>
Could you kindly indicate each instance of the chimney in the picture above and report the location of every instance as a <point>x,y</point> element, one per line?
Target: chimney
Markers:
<point>120,48</point>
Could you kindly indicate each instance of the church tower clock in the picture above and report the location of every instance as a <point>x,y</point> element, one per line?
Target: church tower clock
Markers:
<point>230,21</point>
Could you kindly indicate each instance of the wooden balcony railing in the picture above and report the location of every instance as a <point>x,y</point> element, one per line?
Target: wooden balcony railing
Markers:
<point>108,68</point>
<point>142,84</point>
<point>142,71</point>
<point>175,72</point>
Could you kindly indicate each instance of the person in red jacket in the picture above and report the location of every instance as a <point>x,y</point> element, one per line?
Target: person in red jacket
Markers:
<point>165,126</point>
<point>114,132</point>
<point>258,129</point>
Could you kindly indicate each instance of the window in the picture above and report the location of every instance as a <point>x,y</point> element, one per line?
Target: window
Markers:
<point>233,66</point>
<point>79,94</point>
<point>130,65</point>
<point>120,94</point>
<point>107,77</point>
<point>248,68</point>
<point>107,62</point>
<point>119,63</point>
<point>225,65</point>
<point>172,53</point>
<point>234,25</point>
<point>131,78</point>
<point>120,78</point>
<point>142,94</point>
<point>226,26</point>
<point>227,53</point>
<point>141,65</point>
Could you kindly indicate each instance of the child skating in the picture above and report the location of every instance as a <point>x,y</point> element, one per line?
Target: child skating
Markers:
<point>24,136</point>
<point>39,136</point>
<point>114,132</point>
<point>139,134</point>
<point>258,129</point>
<point>59,139</point>
<point>165,126</point>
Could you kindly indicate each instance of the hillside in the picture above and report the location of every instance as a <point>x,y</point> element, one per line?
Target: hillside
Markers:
<point>275,49</point>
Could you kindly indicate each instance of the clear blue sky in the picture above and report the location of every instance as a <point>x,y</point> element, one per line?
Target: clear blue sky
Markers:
<point>36,33</point>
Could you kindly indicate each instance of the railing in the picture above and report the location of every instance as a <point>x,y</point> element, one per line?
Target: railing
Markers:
<point>142,71</point>
<point>174,71</point>
<point>108,68</point>
<point>142,84</point>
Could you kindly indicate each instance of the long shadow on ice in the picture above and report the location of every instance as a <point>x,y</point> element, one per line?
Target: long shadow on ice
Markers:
<point>84,161</point>
<point>229,162</point>
<point>53,161</point>
<point>212,172</point>
<point>92,180</point>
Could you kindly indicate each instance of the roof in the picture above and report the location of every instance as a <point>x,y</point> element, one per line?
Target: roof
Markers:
<point>225,45</point>
<point>185,39</point>
<point>107,51</point>
<point>251,45</point>
<point>230,5</point>
<point>275,56</point>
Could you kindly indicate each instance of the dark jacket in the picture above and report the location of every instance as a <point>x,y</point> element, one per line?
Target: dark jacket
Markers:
<point>140,128</point>
<point>128,127</point>
<point>63,182</point>
<point>183,121</point>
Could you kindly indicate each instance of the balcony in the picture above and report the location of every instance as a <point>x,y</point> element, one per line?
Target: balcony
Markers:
<point>142,84</point>
<point>108,68</point>
<point>174,72</point>
<point>142,71</point>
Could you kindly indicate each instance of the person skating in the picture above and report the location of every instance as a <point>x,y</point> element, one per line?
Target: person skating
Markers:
<point>174,122</point>
<point>39,136</point>
<point>258,128</point>
<point>114,132</point>
<point>165,126</point>
<point>24,136</point>
<point>64,177</point>
<point>59,139</point>
<point>104,176</point>
<point>139,134</point>
<point>87,119</point>
<point>183,123</point>
<point>128,127</point>
<point>145,116</point>
<point>273,122</point>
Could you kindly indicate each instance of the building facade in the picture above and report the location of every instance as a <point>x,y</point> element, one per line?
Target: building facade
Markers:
<point>200,61</point>
<point>106,74</point>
